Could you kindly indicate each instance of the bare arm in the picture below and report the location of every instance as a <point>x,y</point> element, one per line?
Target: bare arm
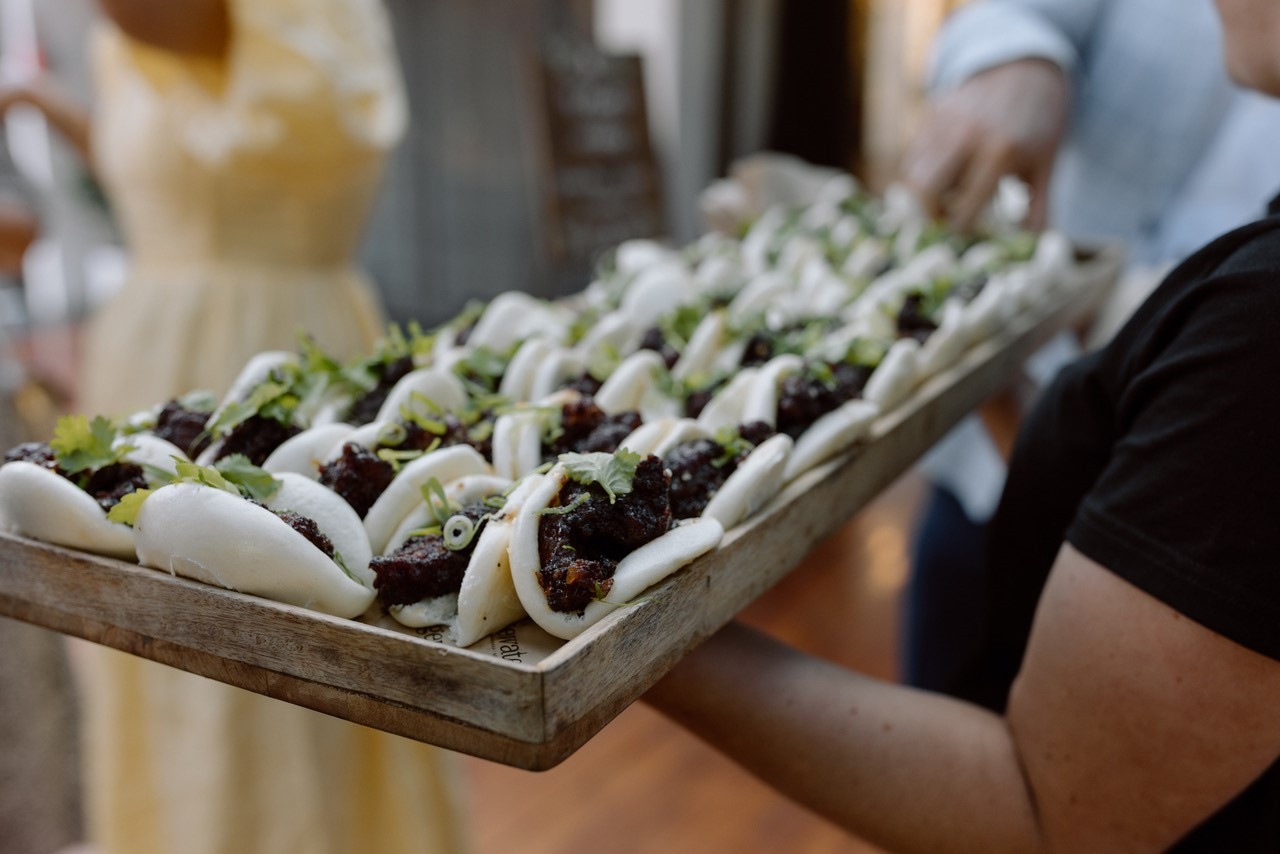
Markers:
<point>200,27</point>
<point>67,115</point>
<point>1127,726</point>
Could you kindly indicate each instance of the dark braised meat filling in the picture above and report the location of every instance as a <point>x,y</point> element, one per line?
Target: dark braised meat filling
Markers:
<point>698,400</point>
<point>308,528</point>
<point>912,321</point>
<point>358,476</point>
<point>699,468</point>
<point>580,550</point>
<point>256,438</point>
<point>366,407</point>
<point>759,350</point>
<point>654,340</point>
<point>38,453</point>
<point>587,429</point>
<point>694,478</point>
<point>796,337</point>
<point>586,384</point>
<point>804,398</point>
<point>183,427</point>
<point>756,432</point>
<point>423,568</point>
<point>109,484</point>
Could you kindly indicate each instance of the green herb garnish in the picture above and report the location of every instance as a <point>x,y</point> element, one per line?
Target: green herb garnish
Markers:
<point>398,458</point>
<point>678,326</point>
<point>865,351</point>
<point>614,472</point>
<point>437,501</point>
<point>583,498</point>
<point>603,362</point>
<point>233,474</point>
<point>82,445</point>
<point>732,446</point>
<point>483,367</point>
<point>822,372</point>
<point>271,399</point>
<point>253,481</point>
<point>201,400</point>
<point>126,511</point>
<point>342,565</point>
<point>460,531</point>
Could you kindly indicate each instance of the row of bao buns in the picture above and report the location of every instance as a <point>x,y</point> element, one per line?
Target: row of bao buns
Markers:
<point>548,459</point>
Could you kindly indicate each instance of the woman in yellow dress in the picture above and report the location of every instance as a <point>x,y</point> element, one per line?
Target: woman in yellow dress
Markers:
<point>240,143</point>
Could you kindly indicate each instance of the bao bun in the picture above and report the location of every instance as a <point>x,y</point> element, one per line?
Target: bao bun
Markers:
<point>638,571</point>
<point>219,538</point>
<point>38,503</point>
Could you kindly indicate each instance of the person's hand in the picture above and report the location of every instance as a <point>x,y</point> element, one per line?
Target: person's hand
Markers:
<point>1008,120</point>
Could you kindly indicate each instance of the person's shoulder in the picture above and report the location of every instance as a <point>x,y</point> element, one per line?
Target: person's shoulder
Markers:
<point>1257,252</point>
<point>1239,273</point>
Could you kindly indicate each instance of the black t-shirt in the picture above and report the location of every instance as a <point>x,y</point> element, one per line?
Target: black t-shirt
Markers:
<point>1157,457</point>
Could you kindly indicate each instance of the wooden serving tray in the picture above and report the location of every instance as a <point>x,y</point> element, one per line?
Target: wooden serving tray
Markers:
<point>518,697</point>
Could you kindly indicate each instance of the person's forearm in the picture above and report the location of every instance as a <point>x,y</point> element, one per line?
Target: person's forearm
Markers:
<point>67,116</point>
<point>902,768</point>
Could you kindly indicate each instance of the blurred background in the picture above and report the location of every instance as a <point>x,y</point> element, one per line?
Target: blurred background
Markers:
<point>541,133</point>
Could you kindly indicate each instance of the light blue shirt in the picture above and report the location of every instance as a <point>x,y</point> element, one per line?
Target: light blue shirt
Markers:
<point>1162,151</point>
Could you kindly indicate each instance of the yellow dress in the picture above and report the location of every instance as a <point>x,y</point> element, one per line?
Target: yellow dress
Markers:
<point>241,187</point>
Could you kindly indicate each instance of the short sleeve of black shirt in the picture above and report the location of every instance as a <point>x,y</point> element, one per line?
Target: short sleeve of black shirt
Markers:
<point>1157,457</point>
<point>1187,507</point>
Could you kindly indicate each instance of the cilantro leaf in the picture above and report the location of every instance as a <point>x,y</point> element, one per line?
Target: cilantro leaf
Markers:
<point>581,325</point>
<point>270,399</point>
<point>192,473</point>
<point>200,400</point>
<point>234,474</point>
<point>315,360</point>
<point>677,326</point>
<point>81,444</point>
<point>732,446</point>
<point>865,351</point>
<point>156,475</point>
<point>603,362</point>
<point>126,511</point>
<point>615,472</point>
<point>551,418</point>
<point>484,367</point>
<point>822,372</point>
<point>253,482</point>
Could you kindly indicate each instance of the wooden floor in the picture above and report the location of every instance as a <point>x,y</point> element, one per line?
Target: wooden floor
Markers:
<point>644,785</point>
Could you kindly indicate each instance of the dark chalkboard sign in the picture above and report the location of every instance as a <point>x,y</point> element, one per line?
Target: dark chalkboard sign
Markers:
<point>600,179</point>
